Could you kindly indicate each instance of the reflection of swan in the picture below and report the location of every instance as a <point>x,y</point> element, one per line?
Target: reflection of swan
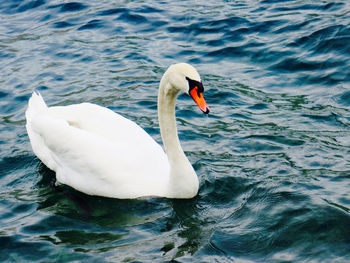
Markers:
<point>99,152</point>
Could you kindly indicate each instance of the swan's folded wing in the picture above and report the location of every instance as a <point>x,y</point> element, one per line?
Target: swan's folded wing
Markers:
<point>99,120</point>
<point>93,164</point>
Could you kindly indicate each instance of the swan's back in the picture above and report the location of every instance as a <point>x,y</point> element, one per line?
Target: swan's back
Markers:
<point>97,151</point>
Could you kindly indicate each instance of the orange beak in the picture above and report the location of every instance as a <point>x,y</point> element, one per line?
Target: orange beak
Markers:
<point>198,98</point>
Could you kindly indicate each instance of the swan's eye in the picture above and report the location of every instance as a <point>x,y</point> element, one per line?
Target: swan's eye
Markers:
<point>194,84</point>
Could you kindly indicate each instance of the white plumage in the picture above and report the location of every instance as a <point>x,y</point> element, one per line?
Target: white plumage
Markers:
<point>99,152</point>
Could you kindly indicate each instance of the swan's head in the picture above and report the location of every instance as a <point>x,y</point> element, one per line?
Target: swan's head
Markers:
<point>184,77</point>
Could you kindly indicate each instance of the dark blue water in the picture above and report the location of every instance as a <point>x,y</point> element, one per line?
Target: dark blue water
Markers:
<point>272,157</point>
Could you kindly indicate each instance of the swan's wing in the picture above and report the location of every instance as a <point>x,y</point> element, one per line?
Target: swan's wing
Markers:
<point>98,166</point>
<point>99,120</point>
<point>98,152</point>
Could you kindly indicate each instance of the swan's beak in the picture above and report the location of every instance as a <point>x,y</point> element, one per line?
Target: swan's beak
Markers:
<point>198,98</point>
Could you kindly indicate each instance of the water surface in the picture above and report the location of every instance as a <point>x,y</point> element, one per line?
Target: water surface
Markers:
<point>272,157</point>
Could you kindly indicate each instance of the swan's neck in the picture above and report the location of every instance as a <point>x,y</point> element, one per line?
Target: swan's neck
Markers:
<point>183,179</point>
<point>167,122</point>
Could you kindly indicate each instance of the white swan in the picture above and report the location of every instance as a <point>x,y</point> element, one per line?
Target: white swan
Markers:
<point>99,152</point>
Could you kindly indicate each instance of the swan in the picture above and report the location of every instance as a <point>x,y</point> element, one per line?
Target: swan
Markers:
<point>99,152</point>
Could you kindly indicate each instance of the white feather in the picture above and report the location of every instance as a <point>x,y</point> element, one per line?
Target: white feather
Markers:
<point>99,152</point>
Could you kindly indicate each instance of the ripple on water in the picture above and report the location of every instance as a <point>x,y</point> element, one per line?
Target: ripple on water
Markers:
<point>272,156</point>
<point>70,7</point>
<point>344,98</point>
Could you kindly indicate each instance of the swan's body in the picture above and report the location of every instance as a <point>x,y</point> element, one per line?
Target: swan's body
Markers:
<point>99,152</point>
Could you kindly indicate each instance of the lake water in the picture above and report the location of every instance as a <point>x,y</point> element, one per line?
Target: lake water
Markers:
<point>272,156</point>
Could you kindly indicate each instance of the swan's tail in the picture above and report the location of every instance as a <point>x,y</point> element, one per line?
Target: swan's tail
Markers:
<point>36,104</point>
<point>36,110</point>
